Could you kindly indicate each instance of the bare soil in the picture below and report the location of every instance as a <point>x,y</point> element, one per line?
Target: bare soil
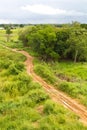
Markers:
<point>56,95</point>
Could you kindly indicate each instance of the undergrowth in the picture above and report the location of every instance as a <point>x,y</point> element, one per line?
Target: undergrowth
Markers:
<point>24,105</point>
<point>68,77</point>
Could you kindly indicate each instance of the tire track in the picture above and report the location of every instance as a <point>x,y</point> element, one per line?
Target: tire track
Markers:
<point>56,95</point>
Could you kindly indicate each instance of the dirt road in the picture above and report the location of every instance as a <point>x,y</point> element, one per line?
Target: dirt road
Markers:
<point>56,95</point>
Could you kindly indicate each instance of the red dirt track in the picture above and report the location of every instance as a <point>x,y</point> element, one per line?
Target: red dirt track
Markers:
<point>56,95</point>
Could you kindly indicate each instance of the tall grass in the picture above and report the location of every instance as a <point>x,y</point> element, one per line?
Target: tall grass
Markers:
<point>24,105</point>
<point>68,77</point>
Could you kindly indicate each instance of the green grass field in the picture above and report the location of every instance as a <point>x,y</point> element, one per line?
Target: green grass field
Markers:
<point>14,35</point>
<point>68,77</point>
<point>24,105</point>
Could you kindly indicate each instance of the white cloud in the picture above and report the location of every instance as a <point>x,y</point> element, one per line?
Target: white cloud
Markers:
<point>48,10</point>
<point>43,9</point>
<point>5,21</point>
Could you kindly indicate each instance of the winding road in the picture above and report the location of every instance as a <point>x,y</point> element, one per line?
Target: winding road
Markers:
<point>56,95</point>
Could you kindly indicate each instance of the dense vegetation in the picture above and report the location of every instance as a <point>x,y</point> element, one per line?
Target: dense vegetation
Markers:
<point>66,76</point>
<point>56,43</point>
<point>64,44</point>
<point>23,103</point>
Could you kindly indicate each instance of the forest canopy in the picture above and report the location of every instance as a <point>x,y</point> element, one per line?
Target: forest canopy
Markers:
<point>57,43</point>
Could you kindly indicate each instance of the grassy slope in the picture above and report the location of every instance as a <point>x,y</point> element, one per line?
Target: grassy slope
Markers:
<point>23,103</point>
<point>68,77</point>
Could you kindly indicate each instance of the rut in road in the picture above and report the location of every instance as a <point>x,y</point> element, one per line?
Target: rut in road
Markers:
<point>56,95</point>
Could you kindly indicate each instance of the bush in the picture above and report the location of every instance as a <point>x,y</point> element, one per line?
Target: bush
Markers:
<point>70,88</point>
<point>34,85</point>
<point>49,107</point>
<point>24,78</point>
<point>45,73</point>
<point>5,64</point>
<point>64,86</point>
<point>16,68</point>
<point>37,95</point>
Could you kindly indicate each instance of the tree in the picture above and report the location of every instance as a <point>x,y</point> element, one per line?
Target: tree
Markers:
<point>77,43</point>
<point>8,33</point>
<point>43,40</point>
<point>23,35</point>
<point>62,36</point>
<point>52,43</point>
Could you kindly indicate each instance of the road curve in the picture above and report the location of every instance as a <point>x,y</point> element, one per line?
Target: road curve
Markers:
<point>56,95</point>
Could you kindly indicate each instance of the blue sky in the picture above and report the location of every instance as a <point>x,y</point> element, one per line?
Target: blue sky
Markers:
<point>43,11</point>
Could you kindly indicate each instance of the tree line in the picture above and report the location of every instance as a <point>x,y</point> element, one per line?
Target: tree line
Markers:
<point>68,42</point>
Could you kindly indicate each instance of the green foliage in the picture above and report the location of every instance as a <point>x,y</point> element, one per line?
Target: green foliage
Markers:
<point>62,37</point>
<point>68,77</point>
<point>77,45</point>
<point>24,105</point>
<point>43,70</point>
<point>15,68</point>
<point>5,65</point>
<point>8,32</point>
<point>84,26</point>
<point>42,40</point>
<point>53,43</point>
<point>71,89</point>
<point>37,95</point>
<point>50,108</point>
<point>23,34</point>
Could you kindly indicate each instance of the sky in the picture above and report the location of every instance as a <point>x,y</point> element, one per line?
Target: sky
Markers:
<point>43,11</point>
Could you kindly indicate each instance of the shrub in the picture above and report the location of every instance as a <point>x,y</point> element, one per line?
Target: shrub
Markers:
<point>5,64</point>
<point>37,95</point>
<point>24,78</point>
<point>45,73</point>
<point>15,68</point>
<point>34,85</point>
<point>49,107</point>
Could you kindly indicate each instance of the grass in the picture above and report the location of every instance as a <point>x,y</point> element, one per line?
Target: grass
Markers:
<point>24,105</point>
<point>13,42</point>
<point>69,77</point>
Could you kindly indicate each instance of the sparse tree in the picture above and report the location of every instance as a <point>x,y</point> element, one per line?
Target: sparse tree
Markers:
<point>8,33</point>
